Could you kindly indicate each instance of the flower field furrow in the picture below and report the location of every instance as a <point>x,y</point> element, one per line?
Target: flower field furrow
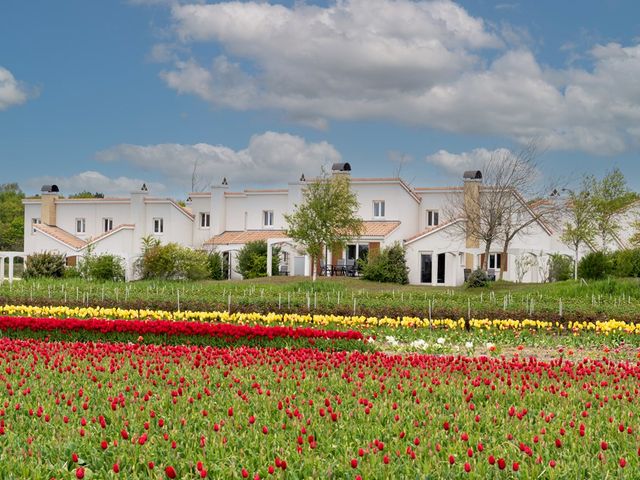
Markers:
<point>255,318</point>
<point>165,327</point>
<point>109,410</point>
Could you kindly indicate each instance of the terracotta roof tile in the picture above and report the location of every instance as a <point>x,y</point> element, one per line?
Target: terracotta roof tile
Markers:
<point>62,236</point>
<point>429,230</point>
<point>379,228</point>
<point>242,237</point>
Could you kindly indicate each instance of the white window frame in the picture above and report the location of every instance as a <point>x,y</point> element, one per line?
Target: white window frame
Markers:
<point>205,220</point>
<point>379,209</point>
<point>34,222</point>
<point>158,225</point>
<point>462,259</point>
<point>267,218</point>
<point>432,218</point>
<point>81,225</point>
<point>107,224</point>
<point>495,257</point>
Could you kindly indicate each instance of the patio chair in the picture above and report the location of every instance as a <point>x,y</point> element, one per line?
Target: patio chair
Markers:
<point>284,270</point>
<point>350,267</point>
<point>491,273</point>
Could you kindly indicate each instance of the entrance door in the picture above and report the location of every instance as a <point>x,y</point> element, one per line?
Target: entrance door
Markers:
<point>441,264</point>
<point>425,268</point>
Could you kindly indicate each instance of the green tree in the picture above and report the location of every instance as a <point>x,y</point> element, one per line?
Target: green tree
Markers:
<point>388,266</point>
<point>252,260</point>
<point>609,197</point>
<point>87,194</point>
<point>11,217</point>
<point>326,218</point>
<point>580,228</point>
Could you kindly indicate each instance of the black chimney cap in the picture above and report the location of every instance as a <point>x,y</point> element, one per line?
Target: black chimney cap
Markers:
<point>472,175</point>
<point>50,188</point>
<point>341,167</point>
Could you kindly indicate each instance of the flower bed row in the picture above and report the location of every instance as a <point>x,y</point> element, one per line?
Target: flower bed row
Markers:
<point>169,332</point>
<point>74,410</point>
<point>605,327</point>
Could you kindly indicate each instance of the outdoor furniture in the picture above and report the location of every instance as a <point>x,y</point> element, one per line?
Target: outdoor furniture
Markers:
<point>350,268</point>
<point>491,273</point>
<point>341,267</point>
<point>325,269</point>
<point>284,270</point>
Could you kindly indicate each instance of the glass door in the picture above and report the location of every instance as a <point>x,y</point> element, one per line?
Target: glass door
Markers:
<point>425,268</point>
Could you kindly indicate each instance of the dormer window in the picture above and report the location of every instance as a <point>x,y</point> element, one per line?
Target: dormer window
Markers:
<point>267,218</point>
<point>378,209</point>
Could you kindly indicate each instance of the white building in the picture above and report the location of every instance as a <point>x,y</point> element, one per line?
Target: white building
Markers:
<point>437,249</point>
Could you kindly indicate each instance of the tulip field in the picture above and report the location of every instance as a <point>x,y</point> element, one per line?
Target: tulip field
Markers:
<point>130,409</point>
<point>117,389</point>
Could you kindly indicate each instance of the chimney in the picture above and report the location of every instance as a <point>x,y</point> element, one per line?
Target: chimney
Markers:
<point>138,216</point>
<point>472,181</point>
<point>218,207</point>
<point>48,204</point>
<point>341,169</point>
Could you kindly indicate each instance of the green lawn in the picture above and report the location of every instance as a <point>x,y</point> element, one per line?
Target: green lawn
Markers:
<point>575,300</point>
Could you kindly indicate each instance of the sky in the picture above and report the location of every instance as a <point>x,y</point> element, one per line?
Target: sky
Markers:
<point>105,95</point>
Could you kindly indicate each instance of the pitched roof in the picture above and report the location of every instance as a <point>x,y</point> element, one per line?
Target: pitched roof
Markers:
<point>379,228</point>
<point>430,230</point>
<point>241,237</point>
<point>61,235</point>
<point>111,232</point>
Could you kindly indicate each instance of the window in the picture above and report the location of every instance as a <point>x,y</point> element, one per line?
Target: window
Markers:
<point>158,225</point>
<point>107,224</point>
<point>35,221</point>
<point>378,209</point>
<point>267,218</point>
<point>205,220</point>
<point>495,260</point>
<point>81,225</point>
<point>432,218</point>
<point>462,258</point>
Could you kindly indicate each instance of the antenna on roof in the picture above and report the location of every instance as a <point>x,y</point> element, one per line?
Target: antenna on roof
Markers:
<point>302,179</point>
<point>224,181</point>
<point>144,188</point>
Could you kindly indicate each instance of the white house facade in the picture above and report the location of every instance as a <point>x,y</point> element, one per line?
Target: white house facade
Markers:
<point>437,249</point>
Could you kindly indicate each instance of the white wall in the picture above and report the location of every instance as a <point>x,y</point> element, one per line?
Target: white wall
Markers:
<point>67,211</point>
<point>441,241</point>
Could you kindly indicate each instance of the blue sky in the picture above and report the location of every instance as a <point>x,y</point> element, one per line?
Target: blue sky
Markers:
<point>104,95</point>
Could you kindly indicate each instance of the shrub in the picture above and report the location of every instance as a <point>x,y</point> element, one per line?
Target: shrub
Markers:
<point>252,260</point>
<point>388,266</point>
<point>477,278</point>
<point>103,267</point>
<point>594,266</point>
<point>171,262</point>
<point>45,264</point>
<point>626,263</point>
<point>560,267</point>
<point>215,266</point>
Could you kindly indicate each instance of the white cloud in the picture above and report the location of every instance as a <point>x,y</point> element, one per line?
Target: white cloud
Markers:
<point>415,62</point>
<point>93,181</point>
<point>12,92</point>
<point>269,157</point>
<point>456,163</point>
